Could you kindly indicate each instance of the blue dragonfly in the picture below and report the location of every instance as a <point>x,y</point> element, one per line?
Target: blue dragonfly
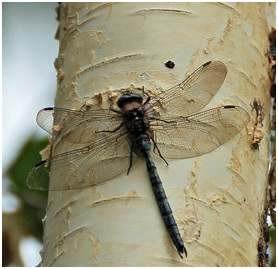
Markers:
<point>170,124</point>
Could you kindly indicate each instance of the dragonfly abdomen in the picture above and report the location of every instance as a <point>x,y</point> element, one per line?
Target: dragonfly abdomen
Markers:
<point>160,195</point>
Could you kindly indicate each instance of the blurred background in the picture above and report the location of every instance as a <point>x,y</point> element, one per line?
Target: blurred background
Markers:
<point>29,84</point>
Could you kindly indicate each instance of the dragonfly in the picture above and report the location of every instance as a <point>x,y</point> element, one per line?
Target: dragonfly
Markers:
<point>171,124</point>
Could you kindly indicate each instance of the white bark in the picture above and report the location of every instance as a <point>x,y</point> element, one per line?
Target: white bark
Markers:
<point>217,199</point>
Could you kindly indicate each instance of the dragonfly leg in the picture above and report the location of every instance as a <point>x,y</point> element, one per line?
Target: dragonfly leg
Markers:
<point>159,153</point>
<point>130,158</point>
<point>112,131</point>
<point>148,99</point>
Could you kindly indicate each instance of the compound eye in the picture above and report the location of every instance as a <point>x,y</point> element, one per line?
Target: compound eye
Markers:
<point>128,98</point>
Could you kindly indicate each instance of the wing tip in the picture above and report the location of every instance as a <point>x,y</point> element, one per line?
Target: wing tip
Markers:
<point>207,63</point>
<point>229,106</point>
<point>219,63</point>
<point>48,108</point>
<point>40,163</point>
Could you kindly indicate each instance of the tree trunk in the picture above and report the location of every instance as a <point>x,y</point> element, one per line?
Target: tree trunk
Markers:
<point>218,198</point>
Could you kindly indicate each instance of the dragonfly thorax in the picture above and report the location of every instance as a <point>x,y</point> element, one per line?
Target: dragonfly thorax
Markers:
<point>136,121</point>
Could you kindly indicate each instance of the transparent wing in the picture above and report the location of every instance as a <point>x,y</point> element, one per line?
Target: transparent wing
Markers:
<point>78,127</point>
<point>108,157</point>
<point>193,93</point>
<point>185,137</point>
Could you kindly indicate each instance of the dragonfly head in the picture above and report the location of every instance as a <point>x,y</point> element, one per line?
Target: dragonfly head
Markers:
<point>129,97</point>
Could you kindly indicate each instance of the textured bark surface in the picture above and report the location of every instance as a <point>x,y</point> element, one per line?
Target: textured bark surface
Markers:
<point>217,198</point>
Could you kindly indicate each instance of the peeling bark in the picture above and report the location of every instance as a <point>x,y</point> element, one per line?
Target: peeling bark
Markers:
<point>218,198</point>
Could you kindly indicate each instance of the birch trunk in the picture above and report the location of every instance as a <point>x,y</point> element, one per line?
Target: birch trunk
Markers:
<point>218,198</point>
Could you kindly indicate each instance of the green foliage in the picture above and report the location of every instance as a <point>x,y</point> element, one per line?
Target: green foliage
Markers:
<point>33,202</point>
<point>272,246</point>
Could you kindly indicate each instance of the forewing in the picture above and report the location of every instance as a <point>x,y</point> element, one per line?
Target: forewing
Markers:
<point>45,119</point>
<point>108,157</point>
<point>185,137</point>
<point>193,93</point>
<point>78,127</point>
